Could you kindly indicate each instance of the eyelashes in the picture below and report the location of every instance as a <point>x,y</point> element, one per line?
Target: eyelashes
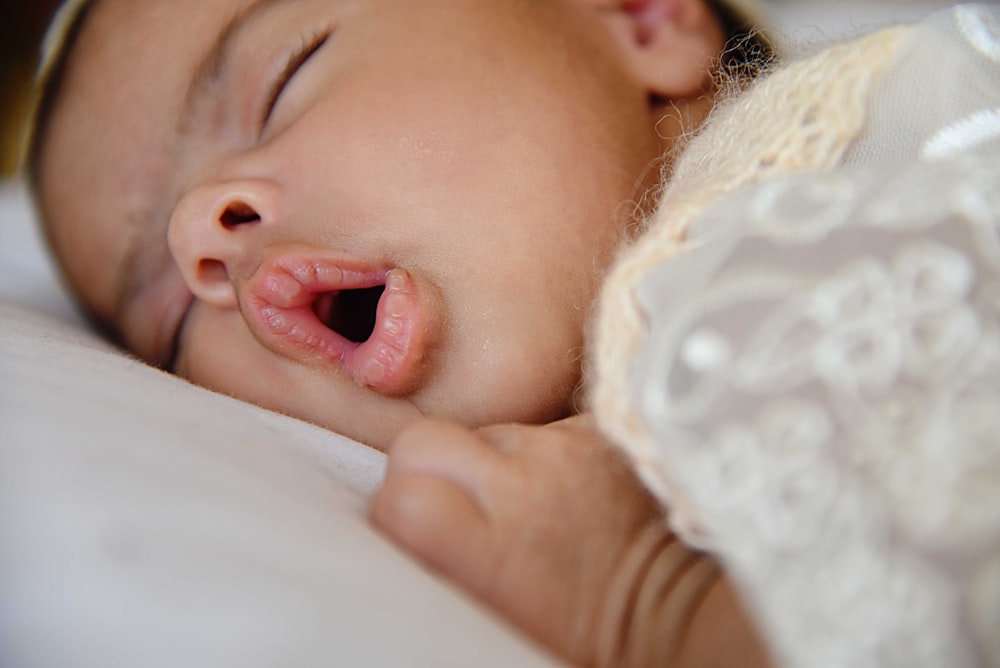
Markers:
<point>293,63</point>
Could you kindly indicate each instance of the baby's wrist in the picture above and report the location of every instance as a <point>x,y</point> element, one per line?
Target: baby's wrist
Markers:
<point>649,599</point>
<point>670,605</point>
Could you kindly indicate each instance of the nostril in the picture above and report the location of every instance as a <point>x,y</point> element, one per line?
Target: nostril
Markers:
<point>238,213</point>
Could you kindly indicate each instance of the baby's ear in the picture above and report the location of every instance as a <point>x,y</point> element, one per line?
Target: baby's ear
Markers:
<point>670,46</point>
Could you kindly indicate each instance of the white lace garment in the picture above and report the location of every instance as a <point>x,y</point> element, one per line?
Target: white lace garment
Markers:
<point>821,375</point>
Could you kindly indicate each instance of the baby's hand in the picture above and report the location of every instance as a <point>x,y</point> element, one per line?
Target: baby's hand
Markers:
<point>549,527</point>
<point>535,521</point>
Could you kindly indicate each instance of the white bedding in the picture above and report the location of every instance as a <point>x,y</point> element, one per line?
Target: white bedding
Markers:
<point>148,522</point>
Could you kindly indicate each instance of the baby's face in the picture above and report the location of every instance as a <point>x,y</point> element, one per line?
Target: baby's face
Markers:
<point>356,212</point>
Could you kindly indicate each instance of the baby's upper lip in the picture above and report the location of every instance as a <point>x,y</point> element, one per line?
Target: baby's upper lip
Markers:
<point>281,299</point>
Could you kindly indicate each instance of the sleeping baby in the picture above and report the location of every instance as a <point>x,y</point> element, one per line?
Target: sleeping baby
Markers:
<point>393,218</point>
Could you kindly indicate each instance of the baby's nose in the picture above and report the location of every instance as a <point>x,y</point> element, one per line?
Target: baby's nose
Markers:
<point>216,235</point>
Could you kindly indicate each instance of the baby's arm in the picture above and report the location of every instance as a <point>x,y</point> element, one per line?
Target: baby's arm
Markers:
<point>548,526</point>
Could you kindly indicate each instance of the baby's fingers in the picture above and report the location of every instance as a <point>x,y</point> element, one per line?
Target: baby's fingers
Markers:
<point>437,522</point>
<point>431,500</point>
<point>446,450</point>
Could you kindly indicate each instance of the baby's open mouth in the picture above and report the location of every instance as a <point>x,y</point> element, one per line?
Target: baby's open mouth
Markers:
<point>367,321</point>
<point>350,313</point>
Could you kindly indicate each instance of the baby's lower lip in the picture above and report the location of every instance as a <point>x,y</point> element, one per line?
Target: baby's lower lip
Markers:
<point>279,301</point>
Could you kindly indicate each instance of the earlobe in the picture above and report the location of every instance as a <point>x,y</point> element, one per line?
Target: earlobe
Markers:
<point>670,46</point>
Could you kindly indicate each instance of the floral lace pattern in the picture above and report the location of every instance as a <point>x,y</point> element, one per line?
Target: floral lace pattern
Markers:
<point>821,377</point>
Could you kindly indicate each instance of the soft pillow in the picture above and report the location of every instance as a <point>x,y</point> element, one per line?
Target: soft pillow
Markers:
<point>26,273</point>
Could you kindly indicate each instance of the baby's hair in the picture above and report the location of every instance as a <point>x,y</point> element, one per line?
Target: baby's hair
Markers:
<point>748,52</point>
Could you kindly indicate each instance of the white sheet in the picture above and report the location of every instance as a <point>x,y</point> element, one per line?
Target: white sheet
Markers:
<point>26,275</point>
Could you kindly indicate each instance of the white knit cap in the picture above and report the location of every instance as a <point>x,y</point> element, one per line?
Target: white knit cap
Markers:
<point>51,53</point>
<point>56,35</point>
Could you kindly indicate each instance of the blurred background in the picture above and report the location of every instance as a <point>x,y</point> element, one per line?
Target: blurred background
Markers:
<point>811,20</point>
<point>22,23</point>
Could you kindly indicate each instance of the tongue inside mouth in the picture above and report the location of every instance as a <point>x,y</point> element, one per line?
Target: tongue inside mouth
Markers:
<point>350,313</point>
